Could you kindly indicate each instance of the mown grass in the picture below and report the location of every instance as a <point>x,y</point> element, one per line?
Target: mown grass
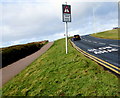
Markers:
<point>58,74</point>
<point>110,34</point>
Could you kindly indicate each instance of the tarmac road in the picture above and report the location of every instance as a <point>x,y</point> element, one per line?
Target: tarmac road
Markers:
<point>104,49</point>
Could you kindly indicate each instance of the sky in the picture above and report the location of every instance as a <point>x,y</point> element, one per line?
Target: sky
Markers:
<point>24,21</point>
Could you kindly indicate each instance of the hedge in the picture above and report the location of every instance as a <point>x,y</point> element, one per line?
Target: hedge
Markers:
<point>14,53</point>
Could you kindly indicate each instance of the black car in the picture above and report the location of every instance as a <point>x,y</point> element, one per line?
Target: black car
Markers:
<point>76,37</point>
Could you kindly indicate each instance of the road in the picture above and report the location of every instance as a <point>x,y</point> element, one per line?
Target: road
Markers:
<point>105,49</point>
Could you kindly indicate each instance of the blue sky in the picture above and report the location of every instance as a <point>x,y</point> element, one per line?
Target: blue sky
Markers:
<point>23,21</point>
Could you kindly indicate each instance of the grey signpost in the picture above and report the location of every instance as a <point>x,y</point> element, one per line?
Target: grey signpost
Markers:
<point>66,10</point>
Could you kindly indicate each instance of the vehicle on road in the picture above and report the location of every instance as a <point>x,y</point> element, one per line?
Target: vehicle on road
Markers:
<point>76,37</point>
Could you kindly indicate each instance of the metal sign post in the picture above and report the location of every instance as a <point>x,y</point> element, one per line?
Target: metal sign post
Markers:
<point>66,18</point>
<point>66,29</point>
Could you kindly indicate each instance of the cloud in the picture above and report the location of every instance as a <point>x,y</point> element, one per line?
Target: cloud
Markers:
<point>33,1</point>
<point>29,20</point>
<point>23,21</point>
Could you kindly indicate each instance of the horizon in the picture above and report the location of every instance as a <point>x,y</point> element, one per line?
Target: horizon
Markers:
<point>25,22</point>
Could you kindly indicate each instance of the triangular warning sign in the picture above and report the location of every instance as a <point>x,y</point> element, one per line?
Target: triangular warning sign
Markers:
<point>66,10</point>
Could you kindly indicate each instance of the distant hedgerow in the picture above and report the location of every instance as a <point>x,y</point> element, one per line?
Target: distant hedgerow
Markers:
<point>14,53</point>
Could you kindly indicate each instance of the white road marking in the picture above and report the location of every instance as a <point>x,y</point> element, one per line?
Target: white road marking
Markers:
<point>102,43</point>
<point>108,47</point>
<point>91,50</point>
<point>114,45</point>
<point>89,41</point>
<point>94,42</point>
<point>102,50</point>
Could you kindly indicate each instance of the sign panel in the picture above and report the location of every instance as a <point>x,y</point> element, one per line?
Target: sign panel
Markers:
<point>66,13</point>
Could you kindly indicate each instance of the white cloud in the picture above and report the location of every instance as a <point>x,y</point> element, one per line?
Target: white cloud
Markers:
<point>58,1</point>
<point>23,21</point>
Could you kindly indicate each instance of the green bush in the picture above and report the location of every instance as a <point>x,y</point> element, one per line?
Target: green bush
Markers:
<point>14,53</point>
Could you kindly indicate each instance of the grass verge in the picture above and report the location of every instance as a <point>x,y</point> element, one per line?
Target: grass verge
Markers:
<point>110,34</point>
<point>58,74</point>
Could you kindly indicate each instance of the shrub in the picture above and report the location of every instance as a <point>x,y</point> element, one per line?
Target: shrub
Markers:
<point>14,53</point>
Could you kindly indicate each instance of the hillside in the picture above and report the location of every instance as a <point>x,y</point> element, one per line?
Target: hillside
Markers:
<point>110,34</point>
<point>58,74</point>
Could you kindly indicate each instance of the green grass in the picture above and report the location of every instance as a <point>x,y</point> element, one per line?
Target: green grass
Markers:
<point>110,34</point>
<point>58,74</point>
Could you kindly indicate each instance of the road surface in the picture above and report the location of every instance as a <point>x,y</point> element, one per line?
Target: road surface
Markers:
<point>104,49</point>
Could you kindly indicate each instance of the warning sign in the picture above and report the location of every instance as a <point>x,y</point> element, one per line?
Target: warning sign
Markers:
<point>66,13</point>
<point>67,9</point>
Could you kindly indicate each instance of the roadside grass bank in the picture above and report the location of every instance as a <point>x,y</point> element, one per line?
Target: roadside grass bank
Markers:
<point>110,34</point>
<point>58,74</point>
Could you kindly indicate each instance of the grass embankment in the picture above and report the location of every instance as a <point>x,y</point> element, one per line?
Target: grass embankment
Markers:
<point>16,52</point>
<point>110,34</point>
<point>58,74</point>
